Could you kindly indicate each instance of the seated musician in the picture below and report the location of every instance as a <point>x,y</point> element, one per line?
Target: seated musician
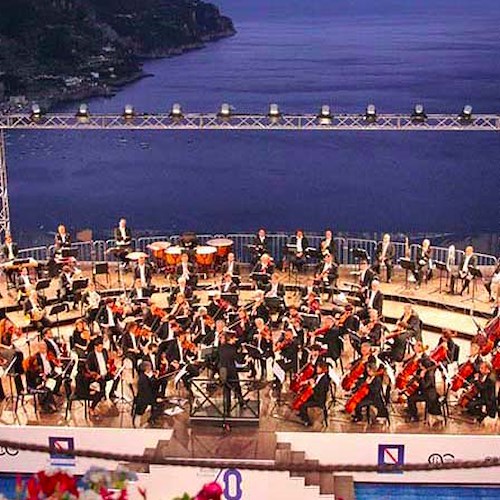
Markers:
<point>329,335</point>
<point>82,339</point>
<point>10,252</point>
<point>374,300</point>
<point>109,319</point>
<point>260,245</point>
<point>275,288</point>
<point>35,309</point>
<point>186,270</point>
<point>481,400</point>
<point>148,392</point>
<point>53,347</point>
<point>373,329</point>
<point>231,266</point>
<point>348,321</point>
<point>311,304</point>
<point>100,369</point>
<point>228,285</point>
<point>423,263</point>
<point>263,341</point>
<point>130,343</point>
<point>492,284</point>
<point>139,292</point>
<point>426,385</point>
<point>40,368</point>
<point>412,320</point>
<point>468,261</point>
<point>243,328</point>
<point>326,273</point>
<point>452,349</point>
<point>328,246</point>
<point>298,244</point>
<point>468,369</point>
<point>24,283</point>
<point>91,300</point>
<point>396,343</point>
<point>321,385</point>
<point>262,271</point>
<point>62,240</point>
<point>384,255</point>
<point>182,288</point>
<point>123,240</point>
<point>259,308</point>
<point>374,399</point>
<point>8,333</point>
<point>181,309</point>
<point>202,325</point>
<point>366,276</point>
<point>356,372</point>
<point>143,272</point>
<point>66,292</point>
<point>288,347</point>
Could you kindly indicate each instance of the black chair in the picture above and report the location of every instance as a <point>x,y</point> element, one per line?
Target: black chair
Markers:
<point>99,269</point>
<point>133,412</point>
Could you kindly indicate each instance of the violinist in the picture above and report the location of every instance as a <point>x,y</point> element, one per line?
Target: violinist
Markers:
<point>52,346</point>
<point>426,390</point>
<point>181,288</point>
<point>181,308</point>
<point>139,291</point>
<point>243,328</point>
<point>151,355</point>
<point>374,396</point>
<point>99,369</point>
<point>311,304</point>
<point>40,371</point>
<point>320,385</point>
<point>109,320</point>
<point>329,335</point>
<point>262,271</point>
<point>130,343</point>
<point>259,308</point>
<point>348,320</point>
<point>81,338</point>
<point>202,326</point>
<point>288,348</point>
<point>396,342</point>
<point>91,300</point>
<point>385,255</point>
<point>263,341</point>
<point>328,246</point>
<point>144,273</point>
<point>480,398</point>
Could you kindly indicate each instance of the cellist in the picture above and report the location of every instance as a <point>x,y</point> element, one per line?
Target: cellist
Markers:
<point>357,373</point>
<point>483,402</point>
<point>320,386</point>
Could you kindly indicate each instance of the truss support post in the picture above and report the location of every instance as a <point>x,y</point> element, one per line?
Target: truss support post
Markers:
<point>4,194</point>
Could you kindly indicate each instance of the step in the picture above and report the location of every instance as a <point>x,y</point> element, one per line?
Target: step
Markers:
<point>326,483</point>
<point>344,487</point>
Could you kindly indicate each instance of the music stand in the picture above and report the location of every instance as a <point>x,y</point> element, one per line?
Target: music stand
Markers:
<point>360,254</point>
<point>408,265</point>
<point>10,398</point>
<point>310,321</point>
<point>476,274</point>
<point>56,310</point>
<point>273,303</point>
<point>20,262</point>
<point>260,278</point>
<point>42,285</point>
<point>68,253</point>
<point>441,267</point>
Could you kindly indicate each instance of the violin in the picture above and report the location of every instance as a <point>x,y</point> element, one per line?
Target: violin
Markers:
<point>283,345</point>
<point>157,311</point>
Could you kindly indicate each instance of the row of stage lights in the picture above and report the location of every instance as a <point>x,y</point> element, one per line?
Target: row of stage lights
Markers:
<point>325,115</point>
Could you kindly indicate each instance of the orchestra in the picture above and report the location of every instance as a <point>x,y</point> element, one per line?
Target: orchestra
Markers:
<point>201,331</point>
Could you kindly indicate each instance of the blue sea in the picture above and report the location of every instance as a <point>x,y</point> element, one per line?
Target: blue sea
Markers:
<point>300,55</point>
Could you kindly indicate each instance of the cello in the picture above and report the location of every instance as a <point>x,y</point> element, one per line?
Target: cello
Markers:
<point>298,380</point>
<point>361,393</point>
<point>464,372</point>
<point>354,374</point>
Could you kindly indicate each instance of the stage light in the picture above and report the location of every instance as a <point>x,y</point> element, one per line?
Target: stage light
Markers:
<point>325,116</point>
<point>225,111</point>
<point>466,114</point>
<point>36,112</point>
<point>176,111</point>
<point>83,112</point>
<point>274,112</point>
<point>128,112</point>
<point>418,114</point>
<point>371,113</point>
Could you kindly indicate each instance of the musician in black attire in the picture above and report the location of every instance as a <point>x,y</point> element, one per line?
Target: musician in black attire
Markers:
<point>468,261</point>
<point>62,239</point>
<point>385,255</point>
<point>123,240</point>
<point>427,386</point>
<point>326,272</point>
<point>374,398</point>
<point>10,252</point>
<point>330,336</point>
<point>423,263</point>
<point>264,269</point>
<point>230,266</point>
<point>228,285</point>
<point>374,300</point>
<point>366,276</point>
<point>143,272</point>
<point>321,386</point>
<point>298,245</point>
<point>261,245</point>
<point>484,404</point>
<point>186,270</point>
<point>259,309</point>
<point>328,246</point>
<point>228,374</point>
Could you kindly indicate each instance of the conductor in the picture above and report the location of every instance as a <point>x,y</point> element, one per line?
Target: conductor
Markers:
<point>228,352</point>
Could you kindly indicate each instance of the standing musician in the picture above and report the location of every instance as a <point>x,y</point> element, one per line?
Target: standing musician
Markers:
<point>320,387</point>
<point>480,396</point>
<point>99,369</point>
<point>40,368</point>
<point>426,390</point>
<point>328,246</point>
<point>123,240</point>
<point>264,269</point>
<point>10,252</point>
<point>34,308</point>
<point>326,272</point>
<point>374,299</point>
<point>186,270</point>
<point>423,263</point>
<point>385,255</point>
<point>297,247</point>
<point>230,266</point>
<point>372,387</point>
<point>62,239</point>
<point>468,261</point>
<point>143,272</point>
<point>260,245</point>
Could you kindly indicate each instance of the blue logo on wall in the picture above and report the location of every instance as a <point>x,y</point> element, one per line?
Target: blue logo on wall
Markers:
<point>391,454</point>
<point>59,445</point>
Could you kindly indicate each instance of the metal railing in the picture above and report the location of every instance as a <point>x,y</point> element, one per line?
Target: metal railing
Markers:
<point>97,250</point>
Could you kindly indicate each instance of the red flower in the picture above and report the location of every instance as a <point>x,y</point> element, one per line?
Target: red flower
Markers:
<point>210,491</point>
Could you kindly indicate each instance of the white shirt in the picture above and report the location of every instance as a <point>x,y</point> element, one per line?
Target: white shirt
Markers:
<point>138,292</point>
<point>152,359</point>
<point>230,267</point>
<point>465,265</point>
<point>372,298</point>
<point>55,346</point>
<point>142,273</point>
<point>111,319</point>
<point>10,255</point>
<point>101,363</point>
<point>300,249</point>
<point>123,233</point>
<point>185,270</point>
<point>47,369</point>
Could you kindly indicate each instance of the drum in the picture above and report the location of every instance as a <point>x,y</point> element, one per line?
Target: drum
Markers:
<point>158,249</point>
<point>173,255</point>
<point>205,255</point>
<point>223,246</point>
